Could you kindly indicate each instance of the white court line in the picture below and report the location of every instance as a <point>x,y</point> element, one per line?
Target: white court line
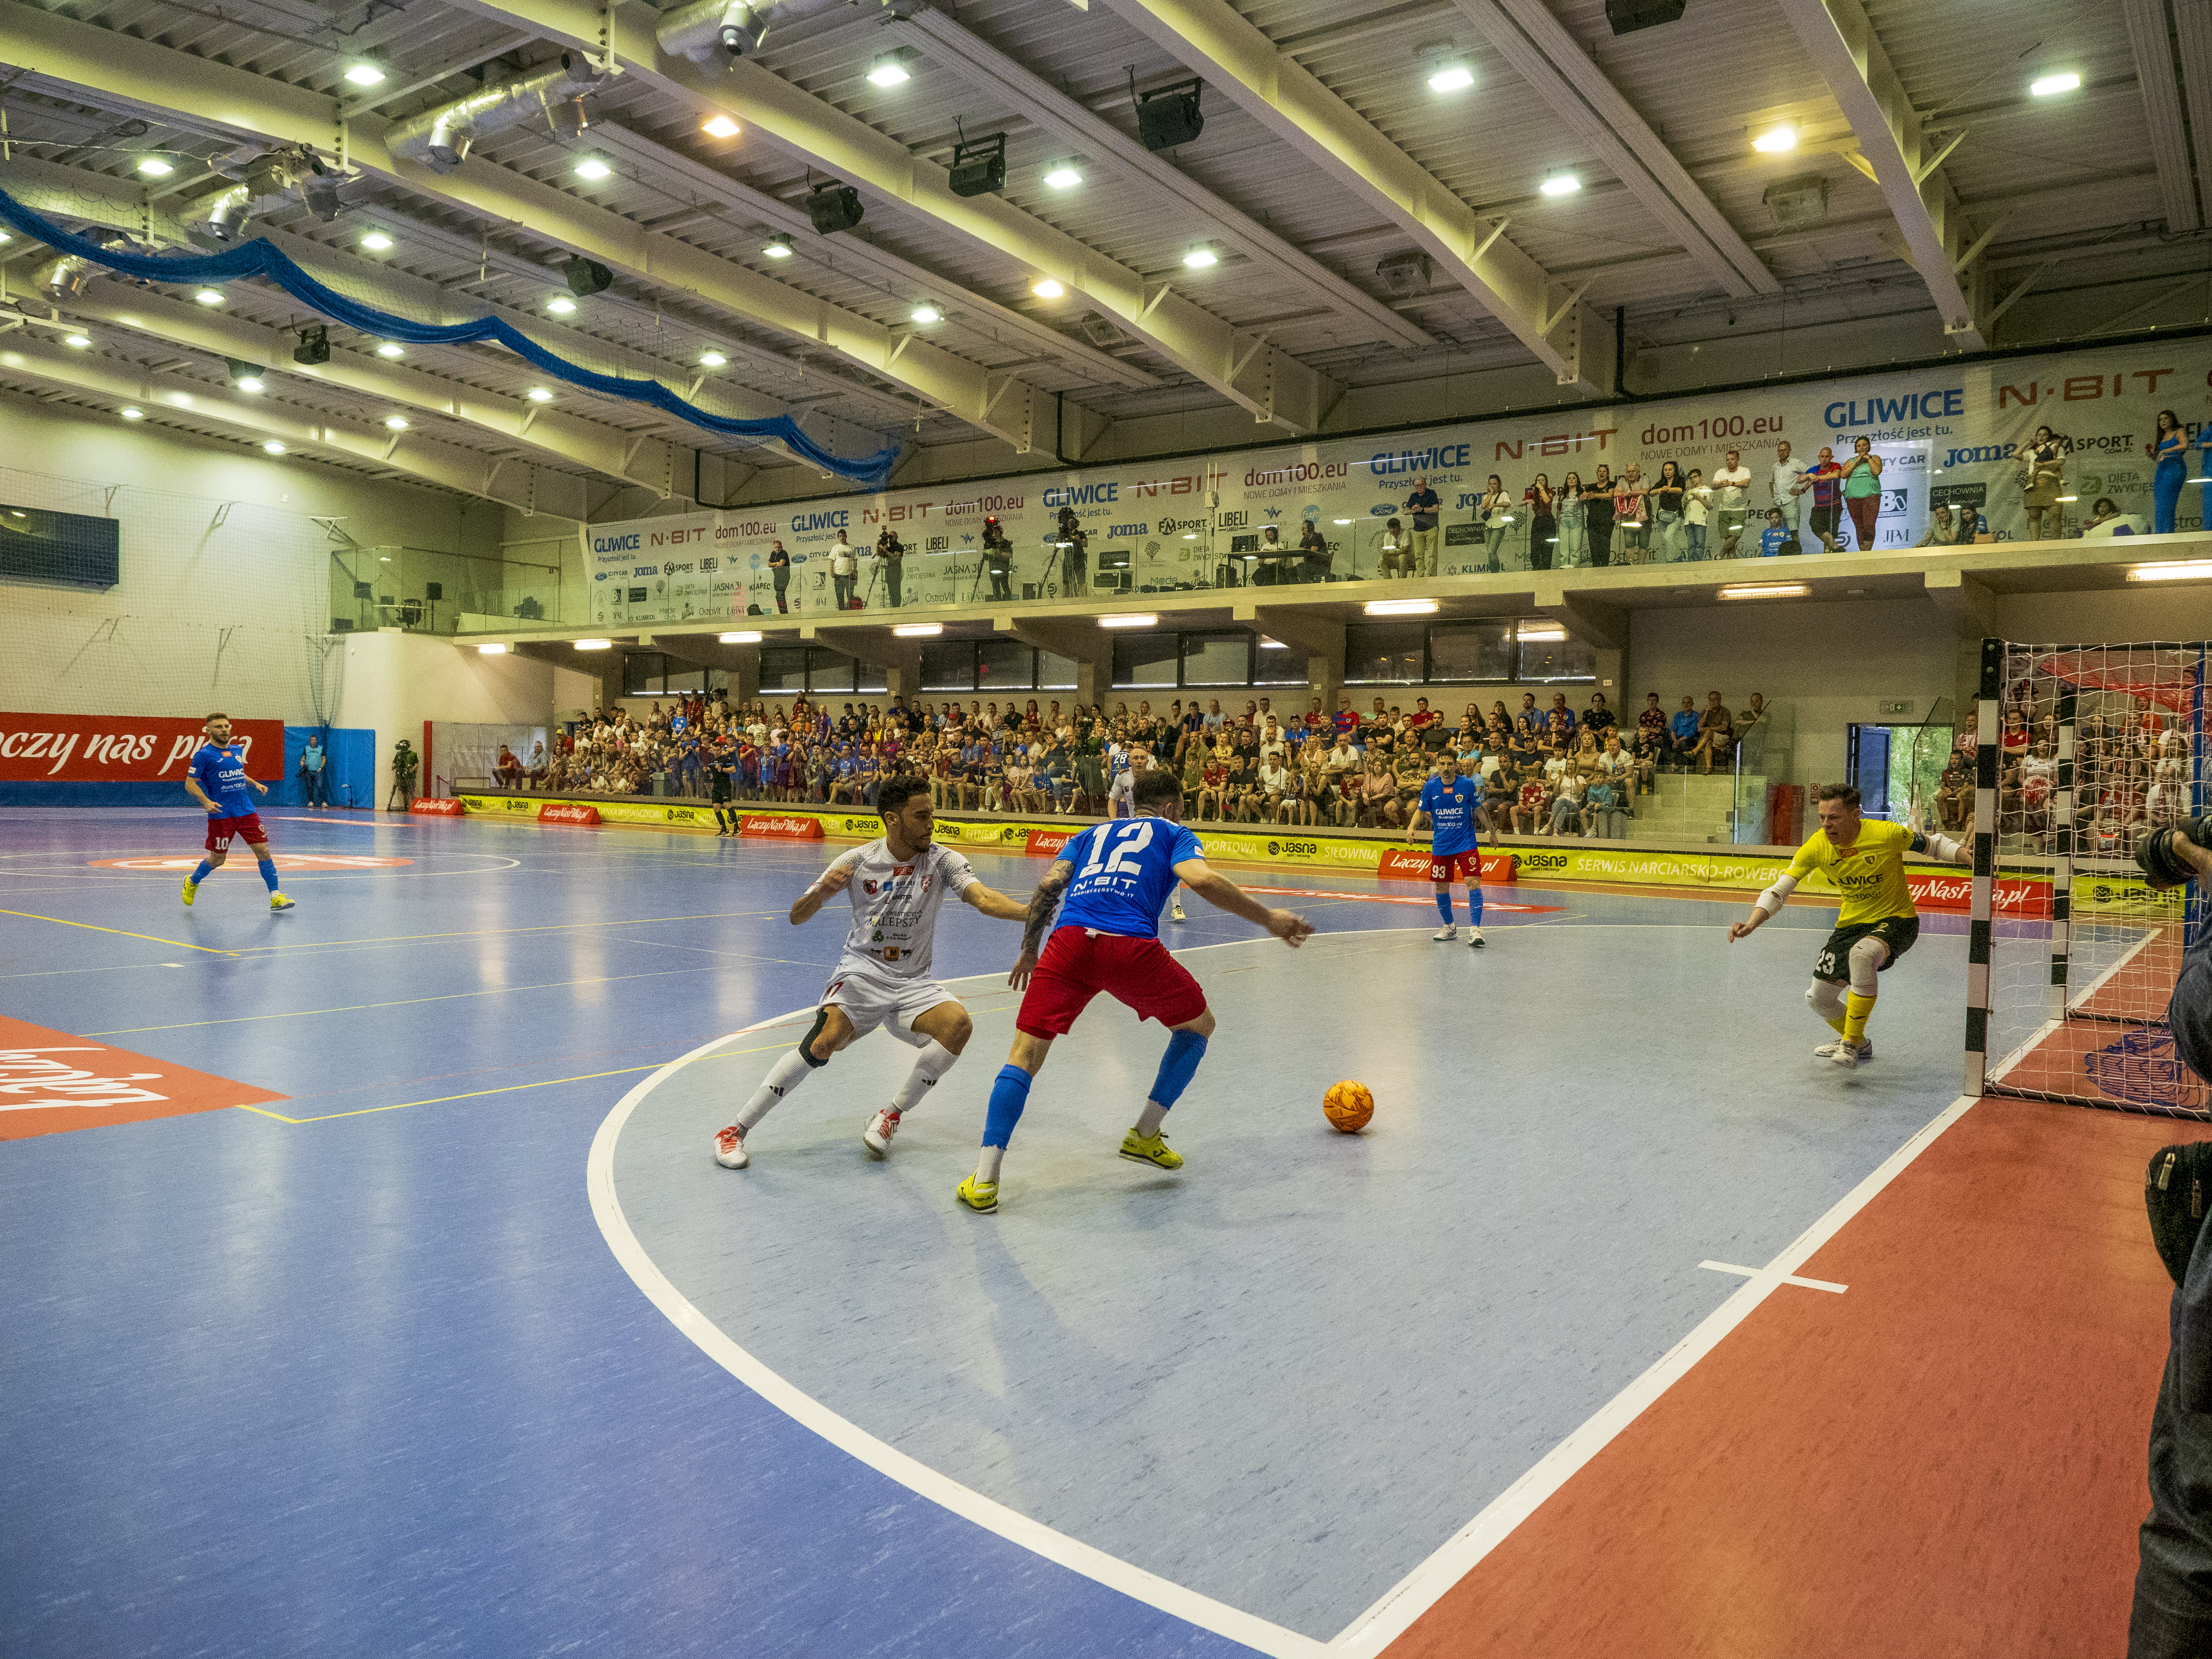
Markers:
<point>1787,1278</point>
<point>1413,1595</point>
<point>1010,1524</point>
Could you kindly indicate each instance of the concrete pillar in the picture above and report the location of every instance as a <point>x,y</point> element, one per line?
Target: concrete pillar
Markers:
<point>744,675</point>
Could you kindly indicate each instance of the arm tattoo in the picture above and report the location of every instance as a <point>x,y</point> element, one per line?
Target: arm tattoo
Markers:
<point>1044,901</point>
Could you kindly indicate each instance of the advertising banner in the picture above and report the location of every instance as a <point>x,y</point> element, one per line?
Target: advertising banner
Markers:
<point>1413,863</point>
<point>1047,844</point>
<point>781,829</point>
<point>124,748</point>
<point>1946,435</point>
<point>560,812</point>
<point>431,806</point>
<point>512,806</point>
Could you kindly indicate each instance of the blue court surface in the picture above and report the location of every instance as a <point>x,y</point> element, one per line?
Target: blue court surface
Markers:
<point>365,1371</point>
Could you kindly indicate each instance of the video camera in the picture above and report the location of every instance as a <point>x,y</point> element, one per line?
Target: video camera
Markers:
<point>2164,867</point>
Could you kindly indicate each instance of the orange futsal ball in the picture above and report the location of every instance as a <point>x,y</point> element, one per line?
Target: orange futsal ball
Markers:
<point>1347,1107</point>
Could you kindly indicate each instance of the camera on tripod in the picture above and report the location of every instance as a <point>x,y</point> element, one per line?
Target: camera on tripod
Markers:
<point>2163,864</point>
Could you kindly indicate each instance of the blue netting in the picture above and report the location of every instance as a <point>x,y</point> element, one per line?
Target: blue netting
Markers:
<point>260,258</point>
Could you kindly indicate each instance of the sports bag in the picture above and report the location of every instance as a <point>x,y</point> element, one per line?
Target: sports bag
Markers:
<point>2174,1193</point>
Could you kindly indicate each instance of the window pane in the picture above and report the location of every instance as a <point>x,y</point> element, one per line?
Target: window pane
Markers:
<point>1471,651</point>
<point>1146,659</point>
<point>1383,653</point>
<point>871,676</point>
<point>1216,658</point>
<point>828,671</point>
<point>1277,667</point>
<point>642,672</point>
<point>1055,673</point>
<point>1003,665</point>
<point>949,665</point>
<point>682,677</point>
<point>783,668</point>
<point>1557,659</point>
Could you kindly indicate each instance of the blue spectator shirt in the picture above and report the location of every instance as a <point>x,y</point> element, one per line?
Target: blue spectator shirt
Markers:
<point>1124,872</point>
<point>1770,540</point>
<point>311,758</point>
<point>1452,814</point>
<point>220,774</point>
<point>1684,727</point>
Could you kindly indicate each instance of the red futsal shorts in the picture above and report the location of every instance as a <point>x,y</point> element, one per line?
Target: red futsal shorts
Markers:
<point>1078,964</point>
<point>247,830</point>
<point>1448,867</point>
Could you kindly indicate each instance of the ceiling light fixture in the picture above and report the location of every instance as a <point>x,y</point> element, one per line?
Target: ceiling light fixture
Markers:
<point>1273,645</point>
<point>1766,591</point>
<point>1400,607</point>
<point>539,394</point>
<point>133,414</point>
<point>718,126</point>
<point>2044,86</point>
<point>562,306</point>
<point>395,424</point>
<point>1134,619</point>
<point>2173,570</point>
<point>742,636</point>
<point>153,167</point>
<point>593,645</point>
<point>1553,633</point>
<point>594,168</point>
<point>1453,77</point>
<point>365,75</point>
<point>391,349</point>
<point>251,383</point>
<point>1199,258</point>
<point>77,342</point>
<point>927,314</point>
<point>272,448</point>
<point>495,649</point>
<point>888,70</point>
<point>1776,140</point>
<point>1045,288</point>
<point>918,630</point>
<point>1560,184</point>
<point>779,247</point>
<point>711,359</point>
<point>1341,521</point>
<point>1065,176</point>
<point>377,242</point>
<point>209,297</point>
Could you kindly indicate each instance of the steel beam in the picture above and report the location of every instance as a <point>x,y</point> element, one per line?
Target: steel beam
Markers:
<point>1545,57</point>
<point>2157,75</point>
<point>983,65</point>
<point>1276,387</point>
<point>1283,95</point>
<point>2192,33</point>
<point>165,83</point>
<point>1897,144</point>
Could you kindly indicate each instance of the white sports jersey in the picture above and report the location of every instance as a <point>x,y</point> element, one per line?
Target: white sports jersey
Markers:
<point>895,905</point>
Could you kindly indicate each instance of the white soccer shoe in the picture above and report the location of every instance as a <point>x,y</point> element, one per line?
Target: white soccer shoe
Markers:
<point>1848,1054</point>
<point>1448,930</point>
<point>1475,938</point>
<point>1174,910</point>
<point>877,1137</point>
<point>730,1148</point>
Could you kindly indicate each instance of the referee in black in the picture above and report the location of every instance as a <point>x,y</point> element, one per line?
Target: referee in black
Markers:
<point>718,792</point>
<point>2172,1615</point>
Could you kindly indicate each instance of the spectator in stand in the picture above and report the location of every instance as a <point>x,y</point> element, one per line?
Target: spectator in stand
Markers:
<point>1747,719</point>
<point>1274,785</point>
<point>1495,512</point>
<point>1567,802</point>
<point>1213,780</point>
<point>1650,750</point>
<point>1955,795</point>
<point>1941,531</point>
<point>844,571</point>
<point>1397,551</point>
<point>1775,538</point>
<point>1785,484</point>
<point>1823,483</point>
<point>1629,517</point>
<point>314,772</point>
<point>1968,526</point>
<point>1560,714</point>
<point>1572,533</point>
<point>1424,508</point>
<point>506,771</point>
<point>1532,802</point>
<point>1411,772</point>
<point>1652,718</point>
<point>2167,449</point>
<point>1665,508</point>
<point>1697,503</point>
<point>998,559</point>
<point>1597,515</point>
<point>1541,502</point>
<point>890,560</point>
<point>1605,797</point>
<point>1499,789</point>
<point>2043,468</point>
<point>1862,491</point>
<point>1716,734</point>
<point>779,571</point>
<point>1731,498</point>
<point>1378,794</point>
<point>1683,731</point>
<point>1312,551</point>
<point>1598,717</point>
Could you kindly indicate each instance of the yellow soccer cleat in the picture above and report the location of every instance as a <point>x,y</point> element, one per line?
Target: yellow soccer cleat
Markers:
<point>981,1196</point>
<point>1152,1151</point>
<point>191,892</point>
<point>278,901</point>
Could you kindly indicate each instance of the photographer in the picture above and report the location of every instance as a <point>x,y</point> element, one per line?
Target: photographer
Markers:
<point>1074,554</point>
<point>406,765</point>
<point>2172,1614</point>
<point>890,559</point>
<point>998,559</point>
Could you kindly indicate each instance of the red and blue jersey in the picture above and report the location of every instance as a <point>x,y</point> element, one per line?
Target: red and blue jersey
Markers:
<point>1124,871</point>
<point>220,774</point>
<point>1451,813</point>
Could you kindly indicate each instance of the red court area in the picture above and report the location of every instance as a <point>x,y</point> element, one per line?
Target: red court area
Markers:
<point>53,1081</point>
<point>1946,1460</point>
<point>2113,1048</point>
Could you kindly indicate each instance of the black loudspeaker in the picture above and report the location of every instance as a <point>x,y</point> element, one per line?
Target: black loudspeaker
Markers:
<point>834,207</point>
<point>342,624</point>
<point>314,346</point>
<point>1169,117</point>
<point>434,590</point>
<point>586,275</point>
<point>360,590</point>
<point>980,168</point>
<point>1627,16</point>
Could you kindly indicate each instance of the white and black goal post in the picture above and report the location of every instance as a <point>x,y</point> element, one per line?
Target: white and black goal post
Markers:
<point>2080,751</point>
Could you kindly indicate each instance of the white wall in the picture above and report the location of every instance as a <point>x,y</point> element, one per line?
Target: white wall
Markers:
<point>208,614</point>
<point>395,680</point>
<point>1829,664</point>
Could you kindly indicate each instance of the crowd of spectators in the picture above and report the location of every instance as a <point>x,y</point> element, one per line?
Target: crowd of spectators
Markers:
<point>2133,772</point>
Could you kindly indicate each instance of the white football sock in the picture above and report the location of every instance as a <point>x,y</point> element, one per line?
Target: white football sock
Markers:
<point>783,1077</point>
<point>933,1063</point>
<point>1149,1120</point>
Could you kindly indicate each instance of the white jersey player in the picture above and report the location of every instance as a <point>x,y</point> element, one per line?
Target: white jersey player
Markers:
<point>882,977</point>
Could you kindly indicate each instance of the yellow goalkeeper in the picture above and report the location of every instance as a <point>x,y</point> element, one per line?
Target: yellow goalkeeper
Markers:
<point>1877,923</point>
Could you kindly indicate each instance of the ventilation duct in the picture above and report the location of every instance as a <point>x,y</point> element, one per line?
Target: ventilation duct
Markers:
<point>440,139</point>
<point>63,278</point>
<point>265,184</point>
<point>722,31</point>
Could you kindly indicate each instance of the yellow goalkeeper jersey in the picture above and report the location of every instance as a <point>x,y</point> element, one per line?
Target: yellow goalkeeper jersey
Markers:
<point>1871,877</point>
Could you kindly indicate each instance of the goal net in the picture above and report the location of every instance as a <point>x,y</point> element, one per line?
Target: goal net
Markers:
<point>2079,751</point>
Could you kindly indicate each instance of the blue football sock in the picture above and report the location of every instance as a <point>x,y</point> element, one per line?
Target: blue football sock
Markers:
<point>206,870</point>
<point>1177,1065</point>
<point>268,873</point>
<point>1008,1095</point>
<point>1474,903</point>
<point>1444,904</point>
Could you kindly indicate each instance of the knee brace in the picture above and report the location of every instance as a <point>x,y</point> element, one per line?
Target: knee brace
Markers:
<point>806,1042</point>
<point>1826,997</point>
<point>1866,957</point>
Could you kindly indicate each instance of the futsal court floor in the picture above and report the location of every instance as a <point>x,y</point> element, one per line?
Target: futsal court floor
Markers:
<point>408,1314</point>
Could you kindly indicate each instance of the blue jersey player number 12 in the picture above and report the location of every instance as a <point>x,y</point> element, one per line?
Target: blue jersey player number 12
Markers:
<point>1450,803</point>
<point>1115,877</point>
